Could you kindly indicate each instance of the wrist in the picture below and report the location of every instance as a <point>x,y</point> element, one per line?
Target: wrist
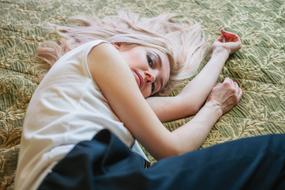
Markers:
<point>221,51</point>
<point>215,107</point>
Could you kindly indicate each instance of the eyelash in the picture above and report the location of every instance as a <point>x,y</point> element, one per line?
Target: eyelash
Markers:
<point>149,60</point>
<point>151,64</point>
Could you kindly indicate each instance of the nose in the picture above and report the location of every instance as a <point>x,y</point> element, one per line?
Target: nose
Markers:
<point>149,78</point>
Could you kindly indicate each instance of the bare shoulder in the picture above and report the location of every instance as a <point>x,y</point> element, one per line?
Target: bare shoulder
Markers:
<point>102,51</point>
<point>104,47</point>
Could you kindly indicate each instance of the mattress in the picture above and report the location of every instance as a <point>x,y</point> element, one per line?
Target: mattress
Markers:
<point>258,67</point>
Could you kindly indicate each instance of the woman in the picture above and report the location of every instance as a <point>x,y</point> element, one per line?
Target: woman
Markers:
<point>99,88</point>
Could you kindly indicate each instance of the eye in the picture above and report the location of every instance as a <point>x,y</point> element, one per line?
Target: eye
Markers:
<point>150,60</point>
<point>151,63</point>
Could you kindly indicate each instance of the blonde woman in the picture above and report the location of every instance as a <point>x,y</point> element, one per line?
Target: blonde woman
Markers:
<point>83,120</point>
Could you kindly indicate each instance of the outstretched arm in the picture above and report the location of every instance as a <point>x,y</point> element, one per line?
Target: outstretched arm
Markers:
<point>194,94</point>
<point>138,116</point>
<point>221,99</point>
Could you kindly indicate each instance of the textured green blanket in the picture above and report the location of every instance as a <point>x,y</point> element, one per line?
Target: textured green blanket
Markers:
<point>258,67</point>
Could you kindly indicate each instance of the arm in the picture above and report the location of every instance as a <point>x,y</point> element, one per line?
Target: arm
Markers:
<point>221,99</point>
<point>138,116</point>
<point>194,94</point>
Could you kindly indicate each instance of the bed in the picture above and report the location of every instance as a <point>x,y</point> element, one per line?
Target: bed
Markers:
<point>258,67</point>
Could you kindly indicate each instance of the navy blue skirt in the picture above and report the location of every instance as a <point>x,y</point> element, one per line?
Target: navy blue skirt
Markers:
<point>105,163</point>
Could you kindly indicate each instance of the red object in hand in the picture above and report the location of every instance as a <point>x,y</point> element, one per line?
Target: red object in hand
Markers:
<point>227,40</point>
<point>228,36</point>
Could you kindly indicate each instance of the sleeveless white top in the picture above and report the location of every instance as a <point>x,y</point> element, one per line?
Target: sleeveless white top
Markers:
<point>66,108</point>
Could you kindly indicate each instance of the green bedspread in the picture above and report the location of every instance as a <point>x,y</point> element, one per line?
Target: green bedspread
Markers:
<point>258,67</point>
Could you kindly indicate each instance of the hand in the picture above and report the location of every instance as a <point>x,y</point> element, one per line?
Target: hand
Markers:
<point>225,95</point>
<point>228,41</point>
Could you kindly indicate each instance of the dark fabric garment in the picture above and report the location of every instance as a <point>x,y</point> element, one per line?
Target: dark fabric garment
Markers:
<point>105,163</point>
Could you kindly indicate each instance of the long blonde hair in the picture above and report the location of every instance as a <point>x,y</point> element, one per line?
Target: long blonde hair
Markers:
<point>183,42</point>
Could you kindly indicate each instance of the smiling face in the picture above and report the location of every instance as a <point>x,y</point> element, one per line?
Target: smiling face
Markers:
<point>150,67</point>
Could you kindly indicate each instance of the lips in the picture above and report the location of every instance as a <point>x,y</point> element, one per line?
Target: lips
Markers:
<point>138,78</point>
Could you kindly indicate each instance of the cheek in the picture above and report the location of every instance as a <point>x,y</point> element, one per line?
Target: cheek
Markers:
<point>135,60</point>
<point>126,58</point>
<point>146,92</point>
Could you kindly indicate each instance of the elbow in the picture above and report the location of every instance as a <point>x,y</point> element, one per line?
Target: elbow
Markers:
<point>173,149</point>
<point>178,147</point>
<point>176,151</point>
<point>171,152</point>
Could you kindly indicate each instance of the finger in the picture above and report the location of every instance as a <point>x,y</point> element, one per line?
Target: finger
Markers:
<point>233,45</point>
<point>230,81</point>
<point>238,90</point>
<point>240,93</point>
<point>234,89</point>
<point>229,89</point>
<point>227,79</point>
<point>220,38</point>
<point>236,85</point>
<point>236,43</point>
<point>230,103</point>
<point>227,82</point>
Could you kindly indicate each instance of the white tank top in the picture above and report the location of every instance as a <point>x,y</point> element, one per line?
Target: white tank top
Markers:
<point>66,108</point>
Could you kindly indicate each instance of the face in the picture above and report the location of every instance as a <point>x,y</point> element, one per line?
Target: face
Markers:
<point>150,67</point>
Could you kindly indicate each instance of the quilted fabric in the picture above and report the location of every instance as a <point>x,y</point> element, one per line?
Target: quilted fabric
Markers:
<point>258,67</point>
